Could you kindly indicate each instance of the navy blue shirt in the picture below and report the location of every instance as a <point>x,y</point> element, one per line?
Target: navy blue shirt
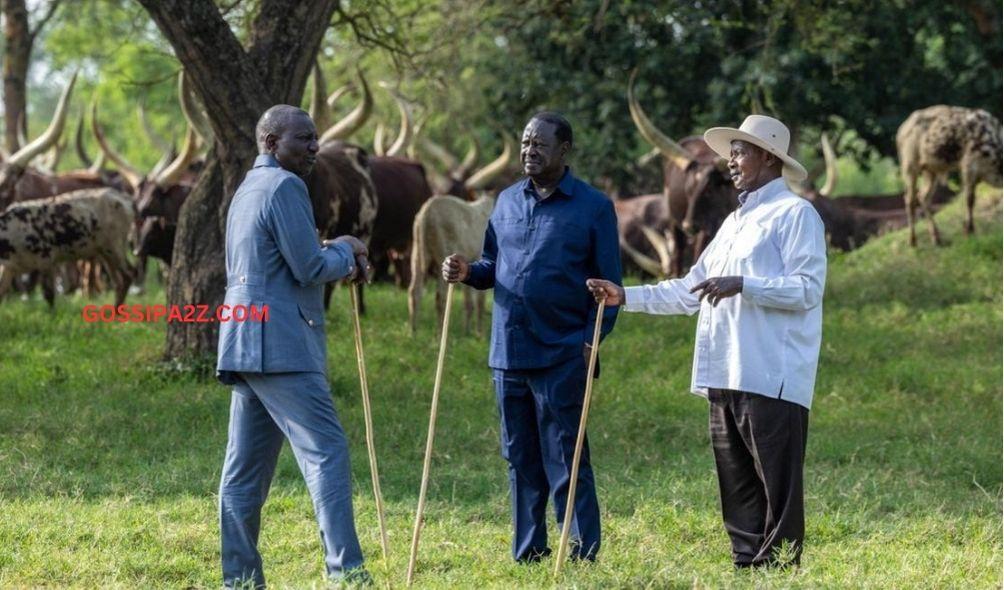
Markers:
<point>537,255</point>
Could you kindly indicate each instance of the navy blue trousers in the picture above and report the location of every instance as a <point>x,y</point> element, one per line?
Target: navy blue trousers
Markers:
<point>540,411</point>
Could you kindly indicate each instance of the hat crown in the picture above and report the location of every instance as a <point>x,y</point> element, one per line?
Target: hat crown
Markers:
<point>768,130</point>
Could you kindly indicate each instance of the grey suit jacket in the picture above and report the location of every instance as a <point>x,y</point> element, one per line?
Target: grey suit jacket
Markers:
<point>274,259</point>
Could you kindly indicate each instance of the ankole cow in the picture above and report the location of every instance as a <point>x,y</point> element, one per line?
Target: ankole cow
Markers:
<point>696,185</point>
<point>937,140</point>
<point>89,224</point>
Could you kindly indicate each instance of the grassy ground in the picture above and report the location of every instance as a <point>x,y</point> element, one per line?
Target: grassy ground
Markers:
<point>109,462</point>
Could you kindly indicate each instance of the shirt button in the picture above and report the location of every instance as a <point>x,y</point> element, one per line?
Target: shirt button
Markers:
<point>310,323</point>
<point>244,279</point>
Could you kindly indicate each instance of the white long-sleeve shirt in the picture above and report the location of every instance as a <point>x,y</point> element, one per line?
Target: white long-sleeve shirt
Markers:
<point>765,340</point>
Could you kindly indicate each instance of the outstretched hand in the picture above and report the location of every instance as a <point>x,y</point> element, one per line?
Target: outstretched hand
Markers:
<point>718,288</point>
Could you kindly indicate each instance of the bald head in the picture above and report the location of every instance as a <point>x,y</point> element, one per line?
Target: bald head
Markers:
<point>288,134</point>
<point>276,120</point>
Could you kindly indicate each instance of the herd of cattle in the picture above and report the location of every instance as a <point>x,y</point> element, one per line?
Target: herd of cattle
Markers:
<point>78,225</point>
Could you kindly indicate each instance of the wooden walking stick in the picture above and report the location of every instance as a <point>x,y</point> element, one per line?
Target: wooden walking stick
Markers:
<point>370,447</point>
<point>432,433</point>
<point>566,527</point>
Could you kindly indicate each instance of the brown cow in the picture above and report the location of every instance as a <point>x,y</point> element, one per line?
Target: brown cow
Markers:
<point>697,187</point>
<point>937,140</point>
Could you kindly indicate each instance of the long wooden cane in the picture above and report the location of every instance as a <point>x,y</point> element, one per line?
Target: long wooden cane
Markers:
<point>432,434</point>
<point>370,447</point>
<point>566,527</point>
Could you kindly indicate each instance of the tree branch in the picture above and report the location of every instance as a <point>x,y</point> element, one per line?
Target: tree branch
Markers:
<point>53,5</point>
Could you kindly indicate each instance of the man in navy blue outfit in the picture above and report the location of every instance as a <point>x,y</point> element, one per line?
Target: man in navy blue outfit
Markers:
<point>548,233</point>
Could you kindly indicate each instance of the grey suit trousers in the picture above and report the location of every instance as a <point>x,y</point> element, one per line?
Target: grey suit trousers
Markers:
<point>265,409</point>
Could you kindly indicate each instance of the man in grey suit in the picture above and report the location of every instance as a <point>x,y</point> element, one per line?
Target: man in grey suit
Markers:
<point>277,367</point>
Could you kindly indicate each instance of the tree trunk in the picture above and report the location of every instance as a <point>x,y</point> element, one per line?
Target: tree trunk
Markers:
<point>16,56</point>
<point>236,85</point>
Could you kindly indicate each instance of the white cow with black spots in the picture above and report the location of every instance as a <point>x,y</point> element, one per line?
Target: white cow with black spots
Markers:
<point>89,224</point>
<point>937,140</point>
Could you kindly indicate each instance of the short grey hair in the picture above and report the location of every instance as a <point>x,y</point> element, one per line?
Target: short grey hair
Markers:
<point>274,121</point>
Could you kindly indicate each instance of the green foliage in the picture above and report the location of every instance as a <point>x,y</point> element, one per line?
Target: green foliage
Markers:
<point>474,69</point>
<point>109,463</point>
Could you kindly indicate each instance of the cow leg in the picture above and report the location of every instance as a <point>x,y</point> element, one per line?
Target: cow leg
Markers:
<point>909,202</point>
<point>362,299</point>
<point>140,282</point>
<point>925,205</point>
<point>969,190</point>
<point>468,309</point>
<point>415,289</point>
<point>700,243</point>
<point>6,278</point>
<point>440,300</point>
<point>677,247</point>
<point>120,272</point>
<point>48,281</point>
<point>329,288</point>
<point>479,310</point>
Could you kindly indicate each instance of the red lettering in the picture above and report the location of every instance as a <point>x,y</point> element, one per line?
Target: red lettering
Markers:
<point>240,313</point>
<point>107,313</point>
<point>174,315</point>
<point>159,311</point>
<point>89,314</point>
<point>259,314</point>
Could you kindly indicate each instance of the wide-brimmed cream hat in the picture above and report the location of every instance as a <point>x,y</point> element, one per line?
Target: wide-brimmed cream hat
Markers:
<point>764,132</point>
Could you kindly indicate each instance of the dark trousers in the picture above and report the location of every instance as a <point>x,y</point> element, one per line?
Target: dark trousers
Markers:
<point>540,411</point>
<point>759,445</point>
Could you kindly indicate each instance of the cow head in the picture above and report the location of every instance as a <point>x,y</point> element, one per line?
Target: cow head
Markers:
<point>155,238</point>
<point>161,191</point>
<point>14,165</point>
<point>463,180</point>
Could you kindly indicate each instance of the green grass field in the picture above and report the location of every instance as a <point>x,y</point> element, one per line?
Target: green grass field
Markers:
<point>109,461</point>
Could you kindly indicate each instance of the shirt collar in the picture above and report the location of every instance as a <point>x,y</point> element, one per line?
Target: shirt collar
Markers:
<point>566,186</point>
<point>750,199</point>
<point>266,161</point>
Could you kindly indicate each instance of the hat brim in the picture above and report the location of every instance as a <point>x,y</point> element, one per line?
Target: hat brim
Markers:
<point>720,140</point>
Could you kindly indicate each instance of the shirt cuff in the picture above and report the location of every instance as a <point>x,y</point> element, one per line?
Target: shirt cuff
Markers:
<point>633,298</point>
<point>345,251</point>
<point>753,288</point>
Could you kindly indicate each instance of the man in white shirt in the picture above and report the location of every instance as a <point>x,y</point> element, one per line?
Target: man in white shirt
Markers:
<point>759,288</point>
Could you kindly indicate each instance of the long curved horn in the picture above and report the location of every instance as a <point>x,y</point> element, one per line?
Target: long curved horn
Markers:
<point>193,111</point>
<point>406,132</point>
<point>651,133</point>
<point>318,92</point>
<point>378,140</point>
<point>21,157</point>
<point>78,143</point>
<point>354,120</point>
<point>158,142</point>
<point>831,167</point>
<point>659,243</point>
<point>99,163</point>
<point>165,160</point>
<point>482,177</point>
<point>644,262</point>
<point>22,138</point>
<point>172,173</point>
<point>339,92</point>
<point>470,160</point>
<point>448,160</point>
<point>127,170</point>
